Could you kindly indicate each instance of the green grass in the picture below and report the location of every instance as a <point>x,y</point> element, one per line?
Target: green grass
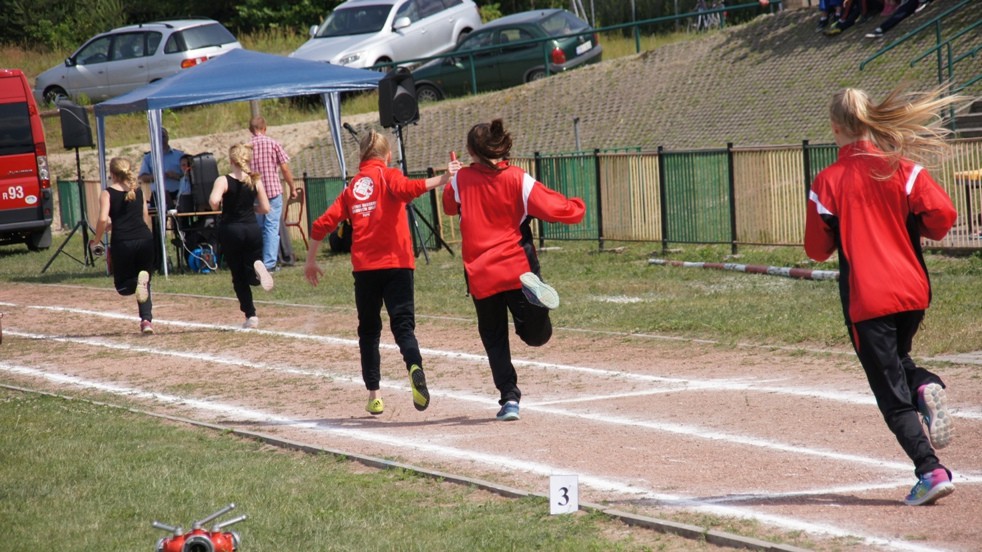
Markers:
<point>94,478</point>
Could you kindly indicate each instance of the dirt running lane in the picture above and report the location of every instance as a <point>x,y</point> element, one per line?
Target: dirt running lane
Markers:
<point>654,426</point>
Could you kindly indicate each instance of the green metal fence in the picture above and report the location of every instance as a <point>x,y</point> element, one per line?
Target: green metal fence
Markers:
<point>696,196</point>
<point>574,175</point>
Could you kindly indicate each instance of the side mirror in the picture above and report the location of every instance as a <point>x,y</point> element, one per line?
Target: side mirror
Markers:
<point>401,23</point>
<point>313,31</point>
<point>69,62</point>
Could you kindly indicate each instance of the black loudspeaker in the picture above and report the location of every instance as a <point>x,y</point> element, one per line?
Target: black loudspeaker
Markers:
<point>75,129</point>
<point>397,105</point>
<point>204,171</point>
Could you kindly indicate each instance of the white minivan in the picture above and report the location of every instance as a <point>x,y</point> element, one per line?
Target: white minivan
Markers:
<point>364,33</point>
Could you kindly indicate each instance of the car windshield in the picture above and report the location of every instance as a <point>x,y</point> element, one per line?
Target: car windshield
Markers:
<point>562,23</point>
<point>355,21</point>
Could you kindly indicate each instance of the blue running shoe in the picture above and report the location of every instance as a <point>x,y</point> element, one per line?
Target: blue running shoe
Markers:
<point>538,292</point>
<point>508,412</point>
<point>931,486</point>
<point>933,405</point>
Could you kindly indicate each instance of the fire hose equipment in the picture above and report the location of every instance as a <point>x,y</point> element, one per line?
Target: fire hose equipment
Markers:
<point>198,539</point>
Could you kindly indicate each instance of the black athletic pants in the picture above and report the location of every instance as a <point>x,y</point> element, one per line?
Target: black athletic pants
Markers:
<point>883,346</point>
<point>393,287</point>
<point>242,246</point>
<point>129,257</point>
<point>532,325</point>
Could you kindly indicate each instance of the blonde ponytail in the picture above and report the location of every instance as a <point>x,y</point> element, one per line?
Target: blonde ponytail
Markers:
<point>241,156</point>
<point>904,125</point>
<point>121,171</point>
<point>374,146</point>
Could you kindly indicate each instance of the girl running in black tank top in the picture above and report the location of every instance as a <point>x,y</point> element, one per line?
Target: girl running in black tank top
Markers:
<point>121,207</point>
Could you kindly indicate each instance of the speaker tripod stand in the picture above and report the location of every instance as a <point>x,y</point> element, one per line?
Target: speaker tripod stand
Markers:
<point>83,224</point>
<point>419,244</point>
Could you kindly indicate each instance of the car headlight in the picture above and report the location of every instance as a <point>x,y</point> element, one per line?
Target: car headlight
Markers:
<point>349,59</point>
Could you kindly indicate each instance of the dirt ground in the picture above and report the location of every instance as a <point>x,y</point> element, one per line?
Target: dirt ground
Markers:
<point>790,440</point>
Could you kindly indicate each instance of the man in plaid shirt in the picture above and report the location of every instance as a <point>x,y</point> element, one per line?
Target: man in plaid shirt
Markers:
<point>268,159</point>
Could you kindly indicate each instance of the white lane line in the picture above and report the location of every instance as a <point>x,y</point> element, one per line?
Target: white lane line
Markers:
<point>489,460</point>
<point>686,431</point>
<point>842,396</point>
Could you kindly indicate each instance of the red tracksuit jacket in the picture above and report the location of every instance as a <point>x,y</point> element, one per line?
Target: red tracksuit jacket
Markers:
<point>876,226</point>
<point>375,202</point>
<point>493,205</point>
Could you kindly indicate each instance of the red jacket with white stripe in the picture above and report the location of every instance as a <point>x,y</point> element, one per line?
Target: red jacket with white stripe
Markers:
<point>495,207</point>
<point>876,225</point>
<point>375,201</point>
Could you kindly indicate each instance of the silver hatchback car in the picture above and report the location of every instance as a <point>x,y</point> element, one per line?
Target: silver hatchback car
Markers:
<point>127,58</point>
<point>364,33</point>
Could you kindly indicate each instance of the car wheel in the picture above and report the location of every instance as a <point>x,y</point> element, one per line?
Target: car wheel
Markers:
<point>382,68</point>
<point>54,93</point>
<point>428,93</point>
<point>535,75</point>
<point>463,34</point>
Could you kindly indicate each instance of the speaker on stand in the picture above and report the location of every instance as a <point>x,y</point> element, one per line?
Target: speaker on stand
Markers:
<point>397,107</point>
<point>76,133</point>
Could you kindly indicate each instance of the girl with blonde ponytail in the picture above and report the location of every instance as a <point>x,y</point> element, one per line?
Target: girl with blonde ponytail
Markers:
<point>872,206</point>
<point>240,197</point>
<point>382,260</point>
<point>123,210</point>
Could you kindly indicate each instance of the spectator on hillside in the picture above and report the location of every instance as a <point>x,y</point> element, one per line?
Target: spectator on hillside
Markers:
<point>905,9</point>
<point>830,12</point>
<point>854,11</point>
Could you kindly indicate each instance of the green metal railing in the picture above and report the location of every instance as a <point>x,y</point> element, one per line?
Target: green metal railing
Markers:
<point>947,62</point>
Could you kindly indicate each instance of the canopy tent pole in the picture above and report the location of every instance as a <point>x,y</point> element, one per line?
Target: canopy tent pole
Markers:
<point>156,158</point>
<point>332,103</point>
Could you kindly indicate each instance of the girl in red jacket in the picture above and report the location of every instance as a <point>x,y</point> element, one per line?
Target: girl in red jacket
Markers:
<point>382,260</point>
<point>495,202</point>
<point>872,206</point>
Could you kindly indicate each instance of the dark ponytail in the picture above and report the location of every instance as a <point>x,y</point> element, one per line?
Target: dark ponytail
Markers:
<point>488,141</point>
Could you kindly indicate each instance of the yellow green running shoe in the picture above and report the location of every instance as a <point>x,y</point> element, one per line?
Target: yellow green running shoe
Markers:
<point>417,380</point>
<point>375,407</point>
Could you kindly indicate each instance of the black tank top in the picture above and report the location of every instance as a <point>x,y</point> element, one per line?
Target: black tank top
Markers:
<point>127,217</point>
<point>238,203</point>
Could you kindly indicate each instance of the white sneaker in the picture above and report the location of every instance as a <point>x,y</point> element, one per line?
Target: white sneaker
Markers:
<point>251,323</point>
<point>142,286</point>
<point>265,278</point>
<point>538,292</point>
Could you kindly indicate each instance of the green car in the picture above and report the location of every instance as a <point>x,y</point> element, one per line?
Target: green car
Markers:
<point>509,51</point>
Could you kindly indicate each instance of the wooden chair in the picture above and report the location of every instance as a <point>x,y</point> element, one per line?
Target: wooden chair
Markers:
<point>293,214</point>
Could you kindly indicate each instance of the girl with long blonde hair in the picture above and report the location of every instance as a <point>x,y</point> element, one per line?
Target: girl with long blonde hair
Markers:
<point>872,206</point>
<point>123,212</point>
<point>240,196</point>
<point>382,260</point>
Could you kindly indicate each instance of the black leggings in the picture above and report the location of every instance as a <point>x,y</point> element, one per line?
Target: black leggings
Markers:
<point>242,246</point>
<point>129,257</point>
<point>883,346</point>
<point>532,325</point>
<point>393,287</point>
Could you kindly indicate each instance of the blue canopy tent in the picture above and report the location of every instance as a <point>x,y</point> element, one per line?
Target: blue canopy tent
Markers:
<point>238,76</point>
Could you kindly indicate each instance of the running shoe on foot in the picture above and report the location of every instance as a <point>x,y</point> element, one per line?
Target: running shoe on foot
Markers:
<point>833,29</point>
<point>417,380</point>
<point>142,286</point>
<point>538,292</point>
<point>146,327</point>
<point>931,486</point>
<point>265,278</point>
<point>251,323</point>
<point>932,403</point>
<point>508,412</point>
<point>375,407</point>
<point>877,33</point>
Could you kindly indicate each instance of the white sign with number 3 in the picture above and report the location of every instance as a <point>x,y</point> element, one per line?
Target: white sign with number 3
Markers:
<point>563,494</point>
